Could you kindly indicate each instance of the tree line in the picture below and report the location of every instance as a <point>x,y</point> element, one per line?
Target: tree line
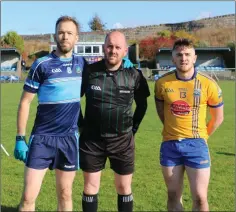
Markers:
<point>148,46</point>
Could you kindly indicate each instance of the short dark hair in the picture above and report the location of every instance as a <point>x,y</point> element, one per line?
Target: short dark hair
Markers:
<point>183,42</point>
<point>68,18</point>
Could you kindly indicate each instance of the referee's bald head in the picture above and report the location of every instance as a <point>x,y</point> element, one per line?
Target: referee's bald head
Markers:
<point>118,35</point>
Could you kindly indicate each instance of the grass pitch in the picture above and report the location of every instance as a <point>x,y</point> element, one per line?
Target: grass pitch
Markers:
<point>148,185</point>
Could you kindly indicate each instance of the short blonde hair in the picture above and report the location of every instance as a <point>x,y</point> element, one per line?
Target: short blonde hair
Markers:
<point>67,18</point>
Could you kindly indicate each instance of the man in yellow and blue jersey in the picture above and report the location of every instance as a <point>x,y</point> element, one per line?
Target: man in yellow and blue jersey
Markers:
<point>182,98</point>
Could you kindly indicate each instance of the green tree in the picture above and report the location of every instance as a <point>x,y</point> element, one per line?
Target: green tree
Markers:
<point>184,34</point>
<point>231,45</point>
<point>164,33</point>
<point>96,24</point>
<point>202,44</point>
<point>131,42</point>
<point>13,39</point>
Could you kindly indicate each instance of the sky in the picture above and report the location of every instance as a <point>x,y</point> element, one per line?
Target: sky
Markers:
<point>39,17</point>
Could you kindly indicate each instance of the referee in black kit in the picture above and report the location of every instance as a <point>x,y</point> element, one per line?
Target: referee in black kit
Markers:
<point>109,124</point>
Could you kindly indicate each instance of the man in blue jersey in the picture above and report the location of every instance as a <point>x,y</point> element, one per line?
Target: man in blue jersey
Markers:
<point>53,144</point>
<point>56,79</point>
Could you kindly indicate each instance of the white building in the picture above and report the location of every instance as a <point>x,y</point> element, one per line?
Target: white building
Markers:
<point>85,48</point>
<point>90,46</point>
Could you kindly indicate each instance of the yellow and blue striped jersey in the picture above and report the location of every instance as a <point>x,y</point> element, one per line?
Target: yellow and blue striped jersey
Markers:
<point>185,104</point>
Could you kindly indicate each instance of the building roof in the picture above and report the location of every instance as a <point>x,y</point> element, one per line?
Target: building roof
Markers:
<point>87,37</point>
<point>9,49</point>
<point>200,49</point>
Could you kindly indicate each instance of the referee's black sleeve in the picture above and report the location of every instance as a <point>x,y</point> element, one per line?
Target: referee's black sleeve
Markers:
<point>84,85</point>
<point>140,96</point>
<point>85,78</point>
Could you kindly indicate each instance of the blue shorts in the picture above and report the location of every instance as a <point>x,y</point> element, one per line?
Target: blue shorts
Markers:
<point>54,152</point>
<point>192,152</point>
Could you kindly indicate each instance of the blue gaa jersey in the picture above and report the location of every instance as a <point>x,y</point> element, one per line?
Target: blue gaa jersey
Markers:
<point>57,82</point>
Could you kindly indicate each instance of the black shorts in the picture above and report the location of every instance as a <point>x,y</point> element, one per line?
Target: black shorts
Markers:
<point>94,151</point>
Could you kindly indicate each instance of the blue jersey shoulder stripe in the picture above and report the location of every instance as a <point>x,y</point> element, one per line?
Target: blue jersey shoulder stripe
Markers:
<point>32,83</point>
<point>38,62</point>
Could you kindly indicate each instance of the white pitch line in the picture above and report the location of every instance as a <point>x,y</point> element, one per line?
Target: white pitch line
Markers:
<point>4,150</point>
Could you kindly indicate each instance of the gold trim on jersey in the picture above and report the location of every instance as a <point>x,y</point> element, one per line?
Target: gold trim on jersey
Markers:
<point>210,78</point>
<point>196,107</point>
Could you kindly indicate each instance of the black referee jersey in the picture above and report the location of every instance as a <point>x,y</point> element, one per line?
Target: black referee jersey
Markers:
<point>109,98</point>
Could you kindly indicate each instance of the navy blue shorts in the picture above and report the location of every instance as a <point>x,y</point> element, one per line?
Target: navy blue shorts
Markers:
<point>54,152</point>
<point>192,152</point>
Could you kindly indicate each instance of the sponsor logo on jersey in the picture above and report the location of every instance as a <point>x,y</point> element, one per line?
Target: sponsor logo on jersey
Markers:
<point>183,89</point>
<point>69,71</point>
<point>197,92</point>
<point>167,90</point>
<point>96,87</point>
<point>124,91</point>
<point>180,107</point>
<point>56,70</point>
<point>78,69</point>
<point>67,64</point>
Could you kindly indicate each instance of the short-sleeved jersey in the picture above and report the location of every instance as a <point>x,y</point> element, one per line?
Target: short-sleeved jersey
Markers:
<point>109,98</point>
<point>185,104</point>
<point>57,83</point>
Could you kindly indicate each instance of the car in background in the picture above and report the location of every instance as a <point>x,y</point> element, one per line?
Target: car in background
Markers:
<point>13,78</point>
<point>4,78</point>
<point>10,78</point>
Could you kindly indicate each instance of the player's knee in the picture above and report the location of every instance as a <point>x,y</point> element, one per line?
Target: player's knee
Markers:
<point>91,188</point>
<point>28,199</point>
<point>65,194</point>
<point>200,200</point>
<point>173,196</point>
<point>123,188</point>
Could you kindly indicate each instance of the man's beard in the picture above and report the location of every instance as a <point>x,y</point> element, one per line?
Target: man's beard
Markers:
<point>185,70</point>
<point>63,50</point>
<point>113,62</point>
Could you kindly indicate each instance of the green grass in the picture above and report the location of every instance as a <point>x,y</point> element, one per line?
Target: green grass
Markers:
<point>148,186</point>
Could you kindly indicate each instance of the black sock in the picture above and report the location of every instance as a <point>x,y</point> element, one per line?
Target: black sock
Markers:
<point>125,203</point>
<point>90,203</point>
